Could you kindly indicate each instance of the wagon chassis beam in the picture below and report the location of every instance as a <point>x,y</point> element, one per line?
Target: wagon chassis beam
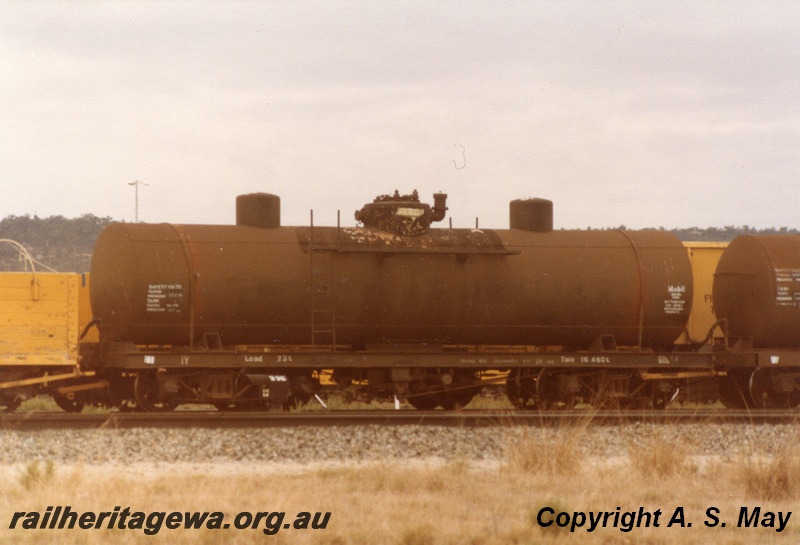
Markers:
<point>130,357</point>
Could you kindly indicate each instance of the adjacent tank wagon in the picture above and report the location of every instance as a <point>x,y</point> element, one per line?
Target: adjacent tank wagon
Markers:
<point>757,301</point>
<point>757,290</point>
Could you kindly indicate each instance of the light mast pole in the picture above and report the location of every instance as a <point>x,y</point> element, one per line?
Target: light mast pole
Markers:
<point>136,185</point>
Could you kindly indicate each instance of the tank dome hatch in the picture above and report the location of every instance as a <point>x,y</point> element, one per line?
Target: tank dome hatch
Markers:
<point>402,215</point>
<point>261,210</point>
<point>534,215</point>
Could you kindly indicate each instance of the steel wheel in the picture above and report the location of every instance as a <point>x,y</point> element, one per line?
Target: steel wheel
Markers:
<point>10,405</point>
<point>148,395</point>
<point>554,391</point>
<point>68,402</point>
<point>455,399</point>
<point>419,397</point>
<point>734,390</point>
<point>766,394</point>
<point>521,388</point>
<point>662,399</point>
<point>422,402</point>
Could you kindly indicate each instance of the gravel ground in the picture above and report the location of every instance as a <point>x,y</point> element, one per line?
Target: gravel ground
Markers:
<point>368,443</point>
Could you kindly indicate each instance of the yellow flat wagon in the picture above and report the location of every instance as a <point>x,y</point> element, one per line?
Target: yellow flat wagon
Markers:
<point>41,318</point>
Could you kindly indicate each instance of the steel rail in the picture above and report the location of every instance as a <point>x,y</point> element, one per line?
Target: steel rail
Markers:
<point>467,418</point>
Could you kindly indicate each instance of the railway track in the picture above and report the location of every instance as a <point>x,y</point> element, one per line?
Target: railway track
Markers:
<point>476,418</point>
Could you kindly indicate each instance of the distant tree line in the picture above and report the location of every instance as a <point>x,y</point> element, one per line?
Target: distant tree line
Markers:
<point>59,243</point>
<point>65,244</point>
<point>727,233</point>
<point>723,234</point>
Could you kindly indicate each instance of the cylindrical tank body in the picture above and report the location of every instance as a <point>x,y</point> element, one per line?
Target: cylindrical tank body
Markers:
<point>169,284</point>
<point>757,289</point>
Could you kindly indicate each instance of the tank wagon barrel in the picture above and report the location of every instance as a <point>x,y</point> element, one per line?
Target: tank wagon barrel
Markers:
<point>175,284</point>
<point>757,289</point>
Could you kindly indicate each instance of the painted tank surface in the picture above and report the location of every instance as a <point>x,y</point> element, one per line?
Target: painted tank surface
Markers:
<point>174,284</point>
<point>757,289</point>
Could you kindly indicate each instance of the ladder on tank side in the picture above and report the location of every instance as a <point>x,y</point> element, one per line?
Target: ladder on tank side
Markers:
<point>323,288</point>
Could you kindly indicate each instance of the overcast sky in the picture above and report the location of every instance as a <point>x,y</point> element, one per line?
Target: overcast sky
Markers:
<point>647,114</point>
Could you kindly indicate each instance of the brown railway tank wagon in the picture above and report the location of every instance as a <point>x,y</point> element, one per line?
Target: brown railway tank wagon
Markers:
<point>248,314</point>
<point>757,298</point>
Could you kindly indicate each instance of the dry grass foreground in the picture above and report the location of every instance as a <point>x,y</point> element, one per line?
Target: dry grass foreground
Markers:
<point>428,502</point>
